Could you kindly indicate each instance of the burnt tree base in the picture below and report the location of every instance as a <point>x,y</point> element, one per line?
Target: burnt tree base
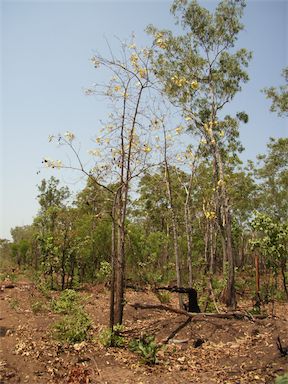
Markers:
<point>192,305</point>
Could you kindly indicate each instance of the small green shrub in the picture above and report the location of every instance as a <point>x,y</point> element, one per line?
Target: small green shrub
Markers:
<point>67,302</point>
<point>73,328</point>
<point>146,347</point>
<point>164,297</point>
<point>282,379</point>
<point>112,338</point>
<point>104,273</point>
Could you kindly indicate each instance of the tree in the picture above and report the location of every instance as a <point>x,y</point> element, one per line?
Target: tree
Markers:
<point>279,97</point>
<point>271,239</point>
<point>272,172</point>
<point>201,74</point>
<point>125,149</point>
<point>48,222</point>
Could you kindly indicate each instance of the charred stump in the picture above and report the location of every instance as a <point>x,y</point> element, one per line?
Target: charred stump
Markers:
<point>192,305</point>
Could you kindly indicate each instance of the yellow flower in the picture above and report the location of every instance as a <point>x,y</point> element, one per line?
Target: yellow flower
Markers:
<point>179,129</point>
<point>95,62</point>
<point>220,182</point>
<point>142,72</point>
<point>210,215</point>
<point>194,84</point>
<point>146,148</point>
<point>221,133</point>
<point>117,88</point>
<point>188,118</point>
<point>94,152</point>
<point>179,81</point>
<point>69,136</point>
<point>134,58</point>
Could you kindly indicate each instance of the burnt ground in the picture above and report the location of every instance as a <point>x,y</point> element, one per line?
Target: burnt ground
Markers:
<point>233,352</point>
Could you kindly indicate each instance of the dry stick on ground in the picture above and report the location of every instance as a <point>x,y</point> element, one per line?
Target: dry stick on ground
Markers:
<point>178,329</point>
<point>197,316</point>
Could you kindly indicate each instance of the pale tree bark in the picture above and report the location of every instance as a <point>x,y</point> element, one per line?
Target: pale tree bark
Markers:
<point>225,225</point>
<point>173,219</point>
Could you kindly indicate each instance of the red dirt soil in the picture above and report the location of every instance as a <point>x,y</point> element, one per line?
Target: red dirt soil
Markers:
<point>233,352</point>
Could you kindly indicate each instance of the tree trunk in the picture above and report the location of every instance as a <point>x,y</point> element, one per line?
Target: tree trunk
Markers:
<point>188,229</point>
<point>212,248</point>
<point>225,224</point>
<point>174,222</point>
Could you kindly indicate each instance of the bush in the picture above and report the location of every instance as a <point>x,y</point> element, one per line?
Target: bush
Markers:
<point>104,273</point>
<point>67,302</point>
<point>112,338</point>
<point>73,328</point>
<point>75,325</point>
<point>146,347</point>
<point>164,297</point>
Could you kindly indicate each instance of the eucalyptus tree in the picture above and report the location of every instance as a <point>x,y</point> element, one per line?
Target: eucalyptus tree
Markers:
<point>272,173</point>
<point>201,72</point>
<point>279,96</point>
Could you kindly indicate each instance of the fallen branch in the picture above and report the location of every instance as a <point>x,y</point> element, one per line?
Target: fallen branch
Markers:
<point>197,316</point>
<point>178,329</point>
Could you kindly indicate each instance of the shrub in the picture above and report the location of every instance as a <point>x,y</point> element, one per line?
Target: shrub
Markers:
<point>73,328</point>
<point>164,297</point>
<point>146,347</point>
<point>67,302</point>
<point>104,273</point>
<point>112,338</point>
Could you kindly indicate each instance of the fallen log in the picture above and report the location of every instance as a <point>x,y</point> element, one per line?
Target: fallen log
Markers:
<point>199,316</point>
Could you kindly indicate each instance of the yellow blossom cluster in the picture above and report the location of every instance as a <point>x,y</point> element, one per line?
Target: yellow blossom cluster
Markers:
<point>52,163</point>
<point>179,81</point>
<point>95,62</point>
<point>94,152</point>
<point>160,42</point>
<point>135,63</point>
<point>210,125</point>
<point>194,84</point>
<point>220,183</point>
<point>210,215</point>
<point>179,129</point>
<point>146,148</point>
<point>69,136</point>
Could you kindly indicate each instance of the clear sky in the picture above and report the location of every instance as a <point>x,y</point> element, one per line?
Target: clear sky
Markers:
<point>46,48</point>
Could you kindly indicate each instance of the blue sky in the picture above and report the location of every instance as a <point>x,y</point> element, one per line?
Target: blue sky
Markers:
<point>46,47</point>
